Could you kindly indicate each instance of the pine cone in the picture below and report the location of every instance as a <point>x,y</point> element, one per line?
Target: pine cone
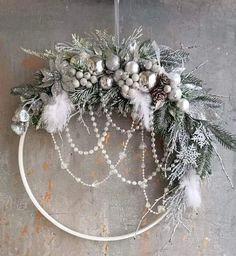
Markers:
<point>158,94</point>
<point>163,80</point>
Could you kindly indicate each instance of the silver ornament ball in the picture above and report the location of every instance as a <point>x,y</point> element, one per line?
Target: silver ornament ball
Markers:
<point>106,82</point>
<point>132,67</point>
<point>112,62</point>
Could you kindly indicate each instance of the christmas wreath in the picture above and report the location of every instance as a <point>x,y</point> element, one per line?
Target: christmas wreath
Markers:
<point>138,79</point>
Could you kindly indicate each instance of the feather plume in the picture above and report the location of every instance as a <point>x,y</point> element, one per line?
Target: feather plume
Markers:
<point>57,112</point>
<point>191,183</point>
<point>142,107</point>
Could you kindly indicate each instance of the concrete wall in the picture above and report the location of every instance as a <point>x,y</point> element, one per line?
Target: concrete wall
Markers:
<point>115,208</point>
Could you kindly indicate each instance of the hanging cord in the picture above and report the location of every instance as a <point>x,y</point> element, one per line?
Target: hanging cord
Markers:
<point>117,21</point>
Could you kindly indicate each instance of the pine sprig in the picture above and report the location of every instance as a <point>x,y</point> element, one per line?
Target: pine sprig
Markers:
<point>224,137</point>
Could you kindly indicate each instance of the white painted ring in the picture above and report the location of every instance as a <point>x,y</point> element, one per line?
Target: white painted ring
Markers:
<point>63,227</point>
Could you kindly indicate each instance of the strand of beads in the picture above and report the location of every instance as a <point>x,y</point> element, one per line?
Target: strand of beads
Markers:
<point>76,178</point>
<point>101,139</point>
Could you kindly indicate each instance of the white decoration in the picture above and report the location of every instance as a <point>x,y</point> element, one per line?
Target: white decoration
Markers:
<point>175,94</point>
<point>132,67</point>
<point>175,79</point>
<point>200,138</point>
<point>191,183</point>
<point>183,105</point>
<point>142,107</point>
<point>56,114</point>
<point>188,155</point>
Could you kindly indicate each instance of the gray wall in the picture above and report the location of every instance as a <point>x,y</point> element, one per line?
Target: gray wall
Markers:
<point>113,209</point>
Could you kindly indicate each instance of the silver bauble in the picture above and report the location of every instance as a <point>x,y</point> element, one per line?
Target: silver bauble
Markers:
<point>183,105</point>
<point>22,115</point>
<point>175,79</point>
<point>106,82</point>
<point>95,64</point>
<point>18,128</point>
<point>118,74</point>
<point>147,64</point>
<point>132,67</point>
<point>167,89</point>
<point>175,94</point>
<point>112,62</point>
<point>147,80</point>
<point>125,89</point>
<point>132,93</point>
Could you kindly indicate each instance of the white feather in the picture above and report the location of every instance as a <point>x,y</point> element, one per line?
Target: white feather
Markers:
<point>142,107</point>
<point>57,112</point>
<point>191,183</point>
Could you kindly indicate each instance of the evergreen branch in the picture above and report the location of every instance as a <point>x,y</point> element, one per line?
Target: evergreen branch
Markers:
<point>224,137</point>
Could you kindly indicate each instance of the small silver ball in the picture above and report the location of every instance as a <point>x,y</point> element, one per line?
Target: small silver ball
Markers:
<point>76,83</point>
<point>135,77</point>
<point>132,67</point>
<point>83,81</point>
<point>93,79</point>
<point>72,72</point>
<point>167,88</point>
<point>132,93</point>
<point>118,74</point>
<point>121,83</point>
<point>89,84</point>
<point>87,75</point>
<point>183,105</point>
<point>79,74</point>
<point>106,82</point>
<point>125,89</point>
<point>175,94</point>
<point>129,81</point>
<point>135,85</point>
<point>112,62</point>
<point>125,76</point>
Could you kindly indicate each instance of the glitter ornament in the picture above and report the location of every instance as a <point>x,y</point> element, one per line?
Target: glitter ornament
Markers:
<point>147,80</point>
<point>106,82</point>
<point>112,62</point>
<point>95,65</point>
<point>132,67</point>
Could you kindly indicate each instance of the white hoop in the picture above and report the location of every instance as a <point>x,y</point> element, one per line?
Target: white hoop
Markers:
<point>61,226</point>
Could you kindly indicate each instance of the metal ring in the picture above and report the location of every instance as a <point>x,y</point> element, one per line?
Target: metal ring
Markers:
<point>63,227</point>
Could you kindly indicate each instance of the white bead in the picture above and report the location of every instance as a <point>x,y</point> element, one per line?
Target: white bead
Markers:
<point>183,105</point>
<point>132,93</point>
<point>134,183</point>
<point>135,85</point>
<point>129,81</point>
<point>91,152</point>
<point>175,94</point>
<point>87,75</point>
<point>72,145</point>
<point>121,83</point>
<point>125,76</point>
<point>118,74</point>
<point>125,89</point>
<point>167,88</point>
<point>93,79</point>
<point>76,83</point>
<point>89,84</point>
<point>83,82</point>
<point>76,149</point>
<point>135,77</point>
<point>79,74</point>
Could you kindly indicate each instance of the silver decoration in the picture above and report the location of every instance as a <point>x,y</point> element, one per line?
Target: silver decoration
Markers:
<point>147,80</point>
<point>21,115</point>
<point>132,67</point>
<point>200,137</point>
<point>188,155</point>
<point>175,94</point>
<point>18,128</point>
<point>95,65</point>
<point>112,62</point>
<point>106,82</point>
